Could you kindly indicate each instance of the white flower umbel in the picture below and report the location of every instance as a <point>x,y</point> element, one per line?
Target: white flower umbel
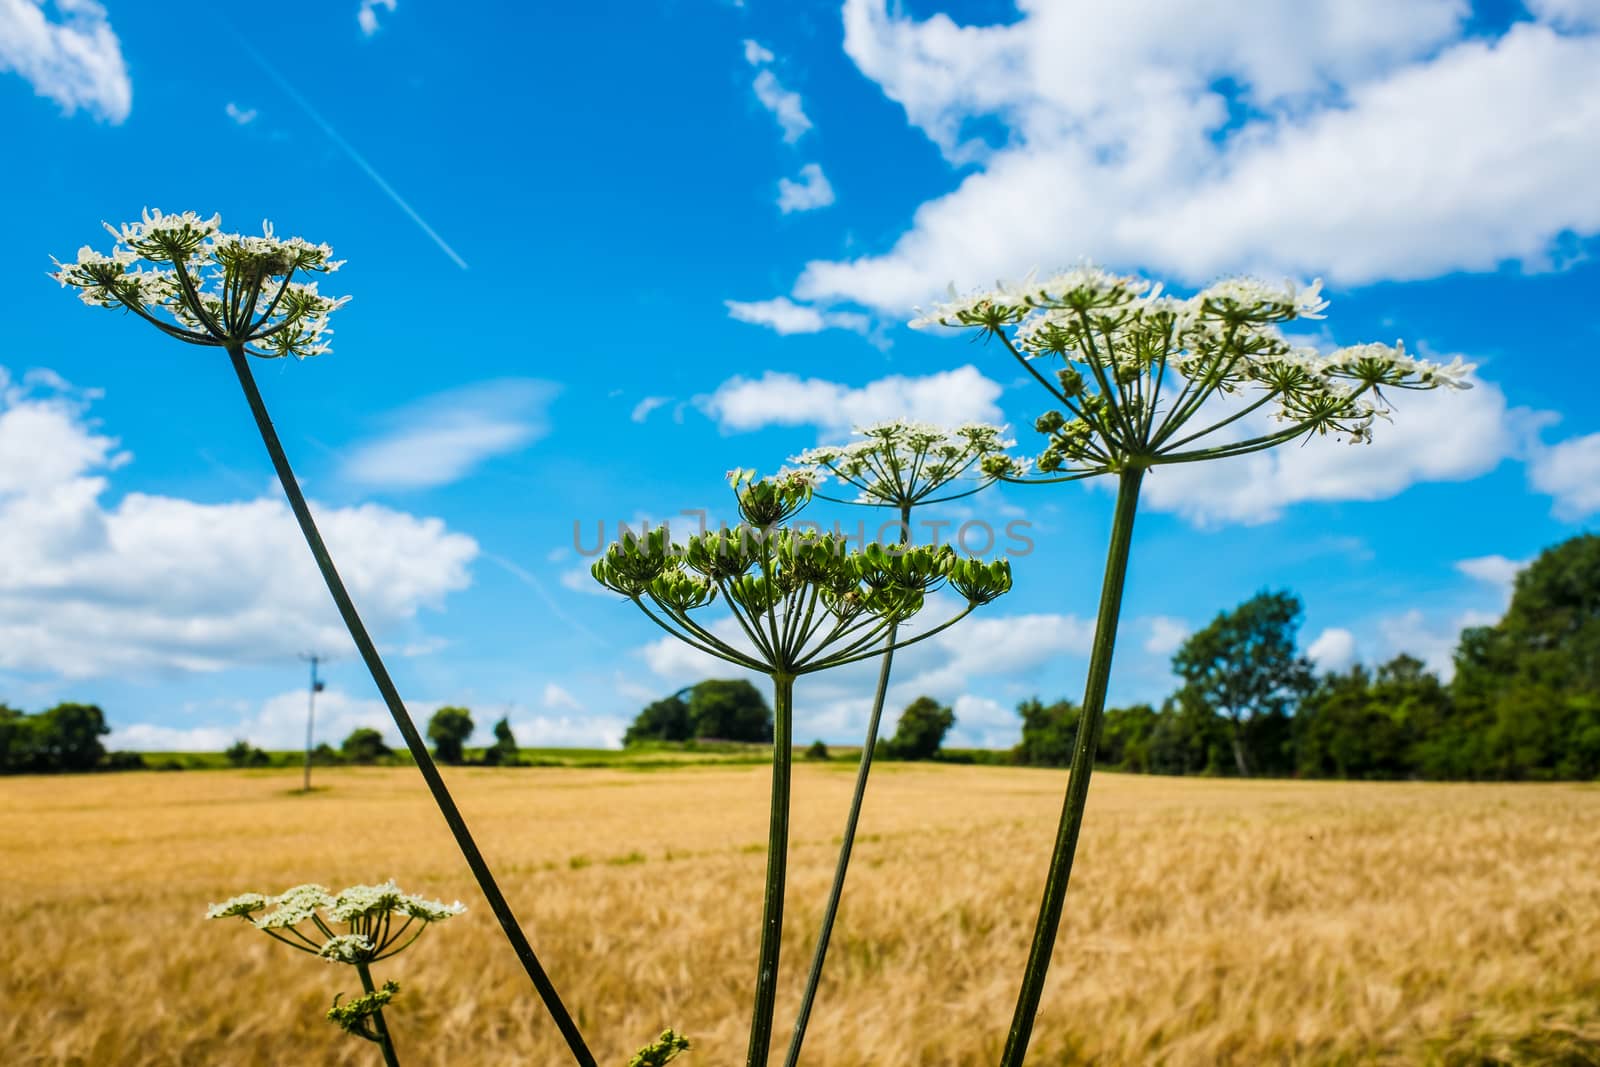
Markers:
<point>219,289</point>
<point>804,602</point>
<point>1140,380</point>
<point>257,296</point>
<point>902,465</point>
<point>308,918</point>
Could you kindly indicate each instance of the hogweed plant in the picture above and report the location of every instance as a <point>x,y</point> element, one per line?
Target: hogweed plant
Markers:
<point>1140,380</point>
<point>800,601</point>
<point>900,465</point>
<point>356,926</point>
<point>243,295</point>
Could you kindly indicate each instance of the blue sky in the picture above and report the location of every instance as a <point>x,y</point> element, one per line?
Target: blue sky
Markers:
<point>600,254</point>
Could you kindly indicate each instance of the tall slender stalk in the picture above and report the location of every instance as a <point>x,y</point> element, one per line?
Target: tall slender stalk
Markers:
<point>830,911</point>
<point>777,868</point>
<point>402,718</point>
<point>385,1042</point>
<point>1088,740</point>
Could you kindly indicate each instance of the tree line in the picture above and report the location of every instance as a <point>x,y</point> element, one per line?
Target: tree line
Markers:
<point>1524,702</point>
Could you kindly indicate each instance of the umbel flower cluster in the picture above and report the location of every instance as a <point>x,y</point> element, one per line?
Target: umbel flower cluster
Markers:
<point>803,601</point>
<point>773,580</point>
<point>355,926</point>
<point>307,917</point>
<point>1138,367</point>
<point>905,464</point>
<point>195,283</point>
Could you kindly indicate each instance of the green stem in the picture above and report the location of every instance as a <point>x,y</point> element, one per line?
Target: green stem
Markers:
<point>382,1028</point>
<point>831,910</point>
<point>1088,740</point>
<point>777,867</point>
<point>402,718</point>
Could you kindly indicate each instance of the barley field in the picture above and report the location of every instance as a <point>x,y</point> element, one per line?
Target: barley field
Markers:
<point>1210,922</point>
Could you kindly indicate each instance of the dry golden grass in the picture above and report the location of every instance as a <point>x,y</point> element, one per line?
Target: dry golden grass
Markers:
<point>1209,922</point>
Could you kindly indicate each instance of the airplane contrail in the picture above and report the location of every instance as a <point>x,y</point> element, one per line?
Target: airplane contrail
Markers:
<point>532,581</point>
<point>349,150</point>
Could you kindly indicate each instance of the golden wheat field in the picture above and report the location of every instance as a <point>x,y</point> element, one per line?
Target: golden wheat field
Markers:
<point>1209,922</point>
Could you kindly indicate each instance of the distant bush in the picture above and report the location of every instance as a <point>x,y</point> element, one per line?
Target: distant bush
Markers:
<point>504,749</point>
<point>448,730</point>
<point>244,754</point>
<point>365,745</point>
<point>817,751</point>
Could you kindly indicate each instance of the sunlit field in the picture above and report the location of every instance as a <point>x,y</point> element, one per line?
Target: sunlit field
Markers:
<point>1209,921</point>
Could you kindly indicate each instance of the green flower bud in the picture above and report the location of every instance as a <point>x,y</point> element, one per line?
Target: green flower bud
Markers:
<point>1049,422</point>
<point>981,582</point>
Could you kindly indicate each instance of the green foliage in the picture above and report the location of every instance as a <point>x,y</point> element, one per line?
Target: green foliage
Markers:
<point>1246,666</point>
<point>365,745</point>
<point>448,730</point>
<point>716,710</point>
<point>504,750</point>
<point>664,720</point>
<point>729,710</point>
<point>1527,690</point>
<point>62,739</point>
<point>661,1051</point>
<point>244,754</point>
<point>817,751</point>
<point>1048,731</point>
<point>921,730</point>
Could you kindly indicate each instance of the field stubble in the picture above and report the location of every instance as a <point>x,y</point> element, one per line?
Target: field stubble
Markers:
<point>1209,922</point>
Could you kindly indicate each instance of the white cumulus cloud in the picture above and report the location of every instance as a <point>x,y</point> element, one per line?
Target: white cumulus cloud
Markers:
<point>1438,436</point>
<point>1570,473</point>
<point>68,52</point>
<point>160,584</point>
<point>1496,571</point>
<point>1333,650</point>
<point>811,192</point>
<point>1357,139</point>
<point>778,399</point>
<point>367,14</point>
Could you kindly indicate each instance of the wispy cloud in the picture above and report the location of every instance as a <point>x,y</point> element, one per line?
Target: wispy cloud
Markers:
<point>440,440</point>
<point>783,103</point>
<point>367,14</point>
<point>240,115</point>
<point>345,146</point>
<point>76,61</point>
<point>812,191</point>
<point>643,408</point>
<point>784,316</point>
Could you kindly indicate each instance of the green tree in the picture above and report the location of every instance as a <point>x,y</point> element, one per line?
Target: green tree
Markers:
<point>729,710</point>
<point>504,750</point>
<point>67,738</point>
<point>663,720</point>
<point>365,745</point>
<point>921,730</point>
<point>1048,731</point>
<point>16,740</point>
<point>243,754</point>
<point>1245,666</point>
<point>1531,682</point>
<point>1126,736</point>
<point>448,730</point>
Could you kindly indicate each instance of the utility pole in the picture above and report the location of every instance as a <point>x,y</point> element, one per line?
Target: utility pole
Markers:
<point>311,710</point>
